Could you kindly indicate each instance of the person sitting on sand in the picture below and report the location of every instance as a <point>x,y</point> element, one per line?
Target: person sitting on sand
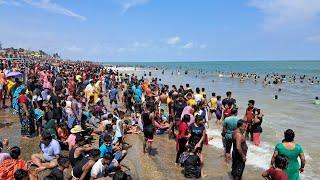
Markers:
<point>116,150</point>
<point>277,173</point>
<point>50,152</point>
<point>83,168</point>
<point>63,163</point>
<point>22,174</point>
<point>161,127</point>
<point>9,166</point>
<point>130,129</point>
<point>4,156</point>
<point>72,137</point>
<point>79,151</point>
<point>103,166</point>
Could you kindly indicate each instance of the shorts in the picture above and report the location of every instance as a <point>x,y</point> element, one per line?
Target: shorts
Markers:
<point>228,145</point>
<point>212,111</point>
<point>113,100</point>
<point>161,130</point>
<point>218,115</point>
<point>41,157</point>
<point>237,167</point>
<point>118,155</point>
<point>148,136</point>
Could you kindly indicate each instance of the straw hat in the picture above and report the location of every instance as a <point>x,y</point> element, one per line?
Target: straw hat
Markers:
<point>76,129</point>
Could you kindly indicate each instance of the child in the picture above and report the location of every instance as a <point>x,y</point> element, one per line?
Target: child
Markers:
<point>63,163</point>
<point>192,164</point>
<point>277,173</point>
<point>39,116</point>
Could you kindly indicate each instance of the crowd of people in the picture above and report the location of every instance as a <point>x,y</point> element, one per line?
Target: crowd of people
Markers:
<point>68,104</point>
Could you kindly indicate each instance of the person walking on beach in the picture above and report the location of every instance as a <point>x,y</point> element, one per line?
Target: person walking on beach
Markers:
<point>197,135</point>
<point>213,105</point>
<point>292,151</point>
<point>148,129</point>
<point>239,153</point>
<point>229,125</point>
<point>182,136</point>
<point>114,95</point>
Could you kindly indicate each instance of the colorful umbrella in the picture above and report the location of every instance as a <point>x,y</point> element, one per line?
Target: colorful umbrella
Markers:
<point>13,74</point>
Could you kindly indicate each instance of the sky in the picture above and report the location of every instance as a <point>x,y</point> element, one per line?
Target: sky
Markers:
<point>164,30</point>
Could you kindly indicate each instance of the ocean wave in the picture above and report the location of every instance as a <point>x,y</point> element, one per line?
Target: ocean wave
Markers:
<point>257,156</point>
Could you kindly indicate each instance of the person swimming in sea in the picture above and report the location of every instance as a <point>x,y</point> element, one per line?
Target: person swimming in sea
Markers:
<point>316,101</point>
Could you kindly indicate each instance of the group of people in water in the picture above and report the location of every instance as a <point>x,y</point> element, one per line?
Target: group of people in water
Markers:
<point>69,104</point>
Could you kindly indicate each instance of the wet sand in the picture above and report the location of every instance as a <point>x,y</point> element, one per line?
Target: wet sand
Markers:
<point>160,165</point>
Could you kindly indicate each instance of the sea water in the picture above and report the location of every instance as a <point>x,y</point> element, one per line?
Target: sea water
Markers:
<point>293,109</point>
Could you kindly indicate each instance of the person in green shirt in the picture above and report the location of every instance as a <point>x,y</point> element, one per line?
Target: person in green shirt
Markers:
<point>292,151</point>
<point>229,125</point>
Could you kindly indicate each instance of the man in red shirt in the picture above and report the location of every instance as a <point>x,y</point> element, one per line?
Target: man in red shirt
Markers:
<point>248,117</point>
<point>182,136</point>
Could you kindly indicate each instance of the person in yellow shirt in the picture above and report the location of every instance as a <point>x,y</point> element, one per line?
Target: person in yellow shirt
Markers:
<point>203,92</point>
<point>213,105</point>
<point>190,100</point>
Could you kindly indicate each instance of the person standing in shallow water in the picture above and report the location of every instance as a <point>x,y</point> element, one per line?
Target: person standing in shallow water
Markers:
<point>249,117</point>
<point>292,151</point>
<point>240,148</point>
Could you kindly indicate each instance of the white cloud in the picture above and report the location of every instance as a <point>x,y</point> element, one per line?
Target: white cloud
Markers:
<point>54,8</point>
<point>315,38</point>
<point>140,44</point>
<point>189,45</point>
<point>203,46</point>
<point>127,4</point>
<point>3,2</point>
<point>173,40</point>
<point>281,13</point>
<point>74,48</point>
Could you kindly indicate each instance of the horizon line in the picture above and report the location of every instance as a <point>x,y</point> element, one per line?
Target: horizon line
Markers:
<point>173,61</point>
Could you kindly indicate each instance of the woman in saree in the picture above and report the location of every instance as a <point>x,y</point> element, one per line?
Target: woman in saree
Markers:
<point>26,115</point>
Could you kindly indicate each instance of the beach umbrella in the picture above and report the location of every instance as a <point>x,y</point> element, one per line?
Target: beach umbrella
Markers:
<point>13,74</point>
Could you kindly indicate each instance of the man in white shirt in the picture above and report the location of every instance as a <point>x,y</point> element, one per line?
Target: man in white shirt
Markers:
<point>106,163</point>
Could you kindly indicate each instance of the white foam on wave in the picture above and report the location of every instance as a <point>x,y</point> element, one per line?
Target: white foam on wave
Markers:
<point>129,68</point>
<point>257,156</point>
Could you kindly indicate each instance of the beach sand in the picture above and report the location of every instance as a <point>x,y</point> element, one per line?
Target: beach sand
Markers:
<point>159,166</point>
